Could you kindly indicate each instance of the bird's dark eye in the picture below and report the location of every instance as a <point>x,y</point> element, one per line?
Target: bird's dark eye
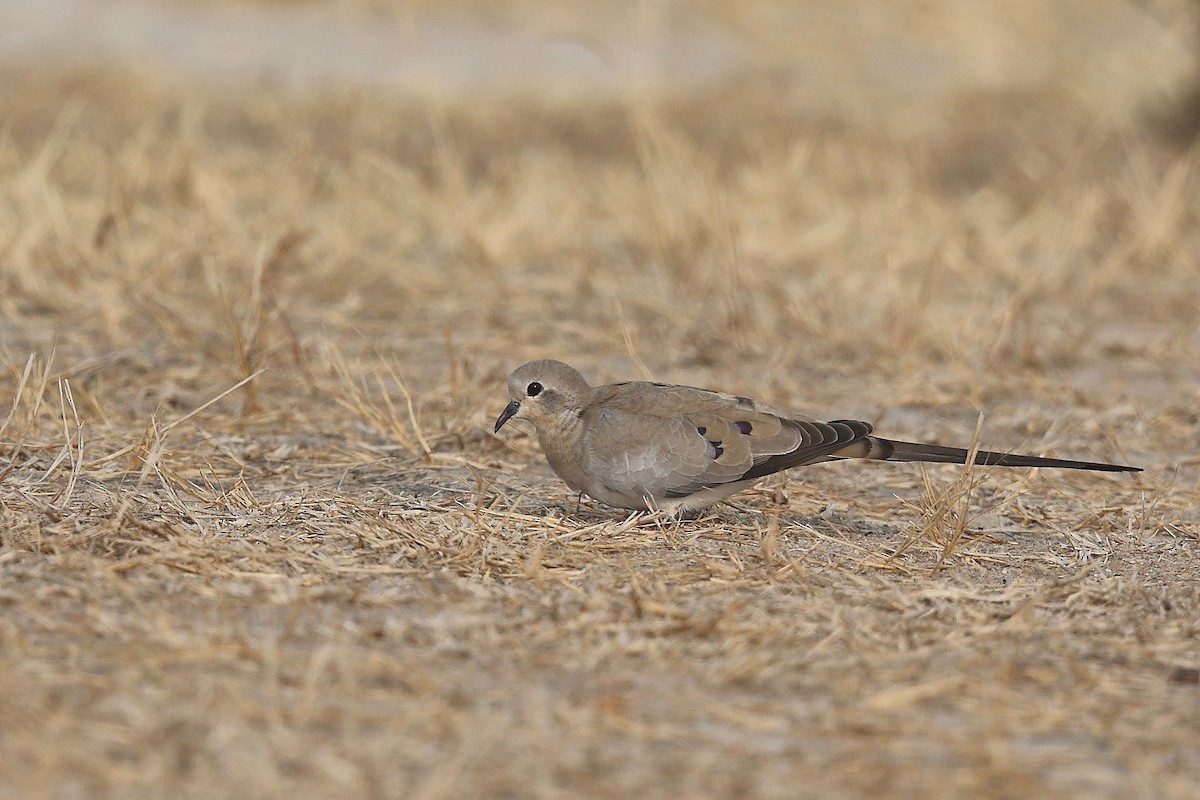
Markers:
<point>533,389</point>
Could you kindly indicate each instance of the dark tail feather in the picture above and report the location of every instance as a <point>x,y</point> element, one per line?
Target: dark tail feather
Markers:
<point>891,450</point>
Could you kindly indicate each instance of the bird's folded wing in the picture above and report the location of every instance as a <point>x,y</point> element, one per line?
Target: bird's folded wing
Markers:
<point>670,441</point>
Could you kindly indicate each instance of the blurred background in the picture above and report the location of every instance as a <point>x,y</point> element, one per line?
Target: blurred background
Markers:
<point>264,268</point>
<point>1119,57</point>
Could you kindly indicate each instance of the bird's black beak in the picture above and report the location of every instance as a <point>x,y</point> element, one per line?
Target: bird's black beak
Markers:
<point>507,414</point>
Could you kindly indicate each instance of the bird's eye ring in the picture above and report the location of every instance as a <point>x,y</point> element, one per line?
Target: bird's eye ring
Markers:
<point>533,389</point>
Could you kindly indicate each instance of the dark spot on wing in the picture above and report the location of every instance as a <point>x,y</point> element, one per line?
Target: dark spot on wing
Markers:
<point>744,427</point>
<point>717,449</point>
<point>745,401</point>
<point>700,429</point>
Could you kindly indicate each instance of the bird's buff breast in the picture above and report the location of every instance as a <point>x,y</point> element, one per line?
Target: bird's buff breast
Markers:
<point>560,446</point>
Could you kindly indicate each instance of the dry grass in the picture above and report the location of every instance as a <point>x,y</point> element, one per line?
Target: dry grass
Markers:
<point>334,581</point>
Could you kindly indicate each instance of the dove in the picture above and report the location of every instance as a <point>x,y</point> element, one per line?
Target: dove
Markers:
<point>678,449</point>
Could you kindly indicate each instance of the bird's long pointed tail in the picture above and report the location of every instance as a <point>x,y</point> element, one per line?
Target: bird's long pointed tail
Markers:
<point>875,447</point>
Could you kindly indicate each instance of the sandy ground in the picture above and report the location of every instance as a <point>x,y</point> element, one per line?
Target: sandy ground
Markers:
<point>258,540</point>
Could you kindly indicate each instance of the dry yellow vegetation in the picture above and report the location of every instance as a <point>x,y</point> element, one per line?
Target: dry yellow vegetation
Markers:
<point>258,540</point>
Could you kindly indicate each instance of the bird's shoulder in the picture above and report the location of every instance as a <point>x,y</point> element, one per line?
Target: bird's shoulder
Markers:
<point>674,400</point>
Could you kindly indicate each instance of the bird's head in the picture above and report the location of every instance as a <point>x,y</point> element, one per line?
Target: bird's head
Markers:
<point>545,392</point>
